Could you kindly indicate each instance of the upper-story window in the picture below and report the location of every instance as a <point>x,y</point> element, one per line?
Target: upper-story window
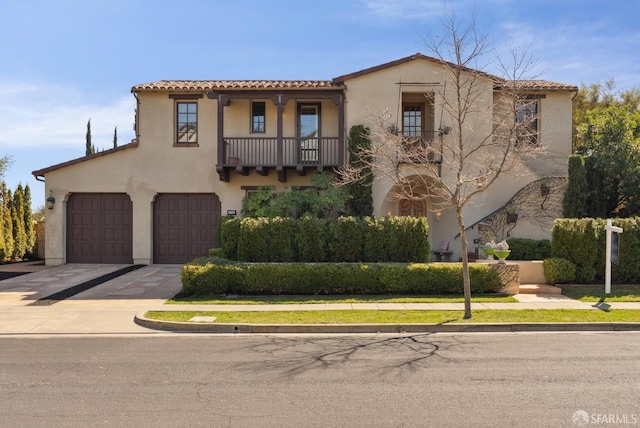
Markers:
<point>187,123</point>
<point>412,120</point>
<point>258,117</point>
<point>309,120</point>
<point>527,121</point>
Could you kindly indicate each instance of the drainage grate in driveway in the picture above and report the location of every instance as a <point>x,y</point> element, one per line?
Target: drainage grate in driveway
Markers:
<point>76,289</point>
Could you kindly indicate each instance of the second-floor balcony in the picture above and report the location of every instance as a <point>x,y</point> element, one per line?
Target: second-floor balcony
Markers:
<point>294,152</point>
<point>425,147</point>
<point>306,130</point>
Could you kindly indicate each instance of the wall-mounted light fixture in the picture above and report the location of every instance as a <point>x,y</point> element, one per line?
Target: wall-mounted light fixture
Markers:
<point>51,201</point>
<point>438,215</point>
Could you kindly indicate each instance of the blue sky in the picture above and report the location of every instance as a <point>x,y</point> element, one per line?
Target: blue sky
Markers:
<point>66,61</point>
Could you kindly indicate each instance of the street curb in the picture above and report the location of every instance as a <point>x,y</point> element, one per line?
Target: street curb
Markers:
<point>200,327</point>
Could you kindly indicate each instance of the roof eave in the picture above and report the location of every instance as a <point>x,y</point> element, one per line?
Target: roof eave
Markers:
<point>42,172</point>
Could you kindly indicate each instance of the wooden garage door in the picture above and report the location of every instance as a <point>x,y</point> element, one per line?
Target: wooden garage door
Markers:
<point>184,226</point>
<point>99,228</point>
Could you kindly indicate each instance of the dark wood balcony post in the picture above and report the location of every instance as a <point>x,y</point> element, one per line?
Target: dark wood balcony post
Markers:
<point>338,99</point>
<point>223,100</point>
<point>280,101</point>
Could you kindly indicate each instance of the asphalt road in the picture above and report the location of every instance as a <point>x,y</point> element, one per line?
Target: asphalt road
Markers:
<point>470,380</point>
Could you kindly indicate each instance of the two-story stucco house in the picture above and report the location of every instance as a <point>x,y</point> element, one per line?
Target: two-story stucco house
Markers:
<point>202,145</point>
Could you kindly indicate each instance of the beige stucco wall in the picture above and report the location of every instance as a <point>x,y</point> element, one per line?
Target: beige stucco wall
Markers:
<point>237,120</point>
<point>157,166</point>
<point>371,94</point>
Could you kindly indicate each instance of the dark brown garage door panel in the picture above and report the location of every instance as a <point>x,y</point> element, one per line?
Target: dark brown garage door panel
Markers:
<point>99,228</point>
<point>184,226</point>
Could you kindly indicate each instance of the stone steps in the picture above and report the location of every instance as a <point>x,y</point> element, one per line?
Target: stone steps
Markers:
<point>539,289</point>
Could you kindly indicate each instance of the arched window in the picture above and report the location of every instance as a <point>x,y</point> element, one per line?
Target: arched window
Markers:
<point>412,208</point>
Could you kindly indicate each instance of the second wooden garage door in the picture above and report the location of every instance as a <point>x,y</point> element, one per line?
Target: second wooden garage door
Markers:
<point>184,226</point>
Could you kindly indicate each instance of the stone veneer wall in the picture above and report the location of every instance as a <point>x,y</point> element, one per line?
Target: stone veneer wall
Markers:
<point>532,208</point>
<point>509,277</point>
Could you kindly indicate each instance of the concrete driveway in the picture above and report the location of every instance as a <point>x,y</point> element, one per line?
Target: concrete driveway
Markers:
<point>106,308</point>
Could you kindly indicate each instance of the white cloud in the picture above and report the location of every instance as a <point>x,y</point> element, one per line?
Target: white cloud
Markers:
<point>41,114</point>
<point>574,53</point>
<point>388,10</point>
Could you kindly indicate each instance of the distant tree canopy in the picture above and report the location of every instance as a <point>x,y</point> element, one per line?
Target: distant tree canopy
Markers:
<point>598,96</point>
<point>607,137</point>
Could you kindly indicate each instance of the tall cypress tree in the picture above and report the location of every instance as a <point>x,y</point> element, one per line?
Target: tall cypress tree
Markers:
<point>599,202</point>
<point>89,149</point>
<point>3,250</point>
<point>574,204</point>
<point>115,137</point>
<point>28,222</point>
<point>17,217</point>
<point>8,224</point>
<point>361,201</point>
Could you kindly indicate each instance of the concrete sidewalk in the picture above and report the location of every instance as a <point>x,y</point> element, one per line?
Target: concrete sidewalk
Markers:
<point>525,301</point>
<point>111,307</point>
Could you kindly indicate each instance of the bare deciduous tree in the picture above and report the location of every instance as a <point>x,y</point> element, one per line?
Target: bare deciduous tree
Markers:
<point>489,135</point>
<point>5,163</point>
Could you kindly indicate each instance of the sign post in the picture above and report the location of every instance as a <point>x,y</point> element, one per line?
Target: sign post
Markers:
<point>611,230</point>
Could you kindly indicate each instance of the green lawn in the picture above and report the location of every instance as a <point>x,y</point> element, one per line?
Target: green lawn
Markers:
<point>595,293</point>
<point>404,317</point>
<point>219,299</point>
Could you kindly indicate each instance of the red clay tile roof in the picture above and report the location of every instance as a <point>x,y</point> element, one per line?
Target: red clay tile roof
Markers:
<point>498,81</point>
<point>546,85</point>
<point>338,82</point>
<point>210,85</point>
<point>341,79</point>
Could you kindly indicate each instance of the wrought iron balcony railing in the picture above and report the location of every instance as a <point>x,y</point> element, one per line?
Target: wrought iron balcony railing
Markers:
<point>425,148</point>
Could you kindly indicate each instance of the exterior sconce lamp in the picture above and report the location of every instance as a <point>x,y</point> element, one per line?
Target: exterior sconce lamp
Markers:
<point>51,200</point>
<point>438,215</point>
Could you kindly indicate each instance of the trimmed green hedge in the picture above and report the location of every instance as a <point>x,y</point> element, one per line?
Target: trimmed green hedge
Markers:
<point>558,271</point>
<point>345,239</point>
<point>229,234</point>
<point>311,239</point>
<point>582,242</point>
<point>529,249</point>
<point>222,276</point>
